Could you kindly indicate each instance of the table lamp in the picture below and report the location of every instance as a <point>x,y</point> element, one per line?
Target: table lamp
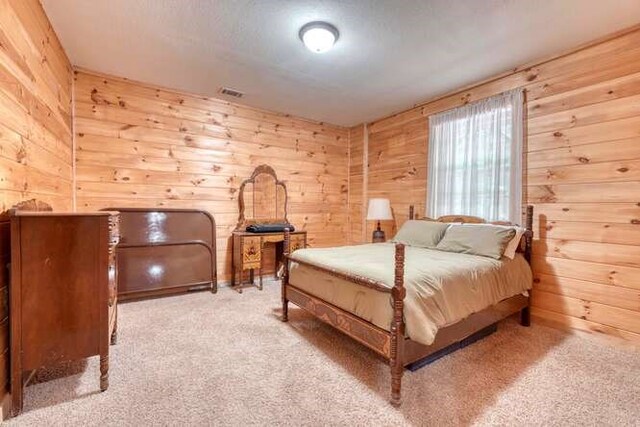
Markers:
<point>379,210</point>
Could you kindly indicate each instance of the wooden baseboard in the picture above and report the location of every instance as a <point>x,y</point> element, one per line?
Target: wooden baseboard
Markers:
<point>584,328</point>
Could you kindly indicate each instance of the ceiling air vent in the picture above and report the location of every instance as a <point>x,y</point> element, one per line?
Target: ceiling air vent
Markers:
<point>231,92</point>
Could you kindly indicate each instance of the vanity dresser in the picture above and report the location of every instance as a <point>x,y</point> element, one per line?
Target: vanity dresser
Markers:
<point>262,200</point>
<point>63,290</point>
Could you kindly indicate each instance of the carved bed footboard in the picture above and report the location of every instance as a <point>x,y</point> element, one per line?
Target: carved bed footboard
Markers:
<point>389,344</point>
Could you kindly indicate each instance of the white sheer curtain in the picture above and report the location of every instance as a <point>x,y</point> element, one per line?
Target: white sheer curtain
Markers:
<point>475,159</point>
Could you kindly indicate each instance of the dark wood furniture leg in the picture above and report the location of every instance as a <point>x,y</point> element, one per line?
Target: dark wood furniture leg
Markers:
<point>261,261</point>
<point>104,372</point>
<point>214,273</point>
<point>238,286</point>
<point>397,327</point>
<point>285,275</point>
<point>114,334</point>
<point>285,306</point>
<point>525,316</point>
<point>278,258</point>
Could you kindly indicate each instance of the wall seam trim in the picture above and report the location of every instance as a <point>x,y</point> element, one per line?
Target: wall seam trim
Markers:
<point>365,179</point>
<point>349,235</point>
<point>73,142</point>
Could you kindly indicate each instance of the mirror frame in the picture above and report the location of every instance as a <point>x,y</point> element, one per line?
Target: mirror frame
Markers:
<point>262,169</point>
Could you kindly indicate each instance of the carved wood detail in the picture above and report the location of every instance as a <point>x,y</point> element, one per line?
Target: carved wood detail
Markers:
<point>468,219</point>
<point>32,205</point>
<point>364,332</point>
<point>297,242</point>
<point>251,251</point>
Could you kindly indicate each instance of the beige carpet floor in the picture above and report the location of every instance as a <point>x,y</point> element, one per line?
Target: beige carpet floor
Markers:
<point>226,359</point>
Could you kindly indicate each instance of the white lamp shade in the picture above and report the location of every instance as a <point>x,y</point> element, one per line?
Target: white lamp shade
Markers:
<point>379,210</point>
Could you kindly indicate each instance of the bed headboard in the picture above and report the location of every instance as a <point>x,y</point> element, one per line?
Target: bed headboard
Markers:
<point>164,251</point>
<point>527,237</point>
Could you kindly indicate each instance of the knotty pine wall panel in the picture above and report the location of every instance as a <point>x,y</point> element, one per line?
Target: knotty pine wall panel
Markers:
<point>397,170</point>
<point>35,130</point>
<point>35,109</point>
<point>357,196</point>
<point>143,146</point>
<point>582,175</point>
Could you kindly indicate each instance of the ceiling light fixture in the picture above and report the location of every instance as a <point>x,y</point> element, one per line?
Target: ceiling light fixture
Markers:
<point>319,36</point>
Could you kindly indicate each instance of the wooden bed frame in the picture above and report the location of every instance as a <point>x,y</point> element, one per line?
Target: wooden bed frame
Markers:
<point>392,345</point>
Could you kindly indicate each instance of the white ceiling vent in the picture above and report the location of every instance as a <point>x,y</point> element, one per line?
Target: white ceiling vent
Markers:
<point>230,92</point>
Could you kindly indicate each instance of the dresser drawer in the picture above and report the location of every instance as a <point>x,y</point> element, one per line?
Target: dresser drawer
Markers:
<point>251,252</point>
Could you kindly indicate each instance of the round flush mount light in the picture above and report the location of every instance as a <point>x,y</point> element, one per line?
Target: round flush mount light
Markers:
<point>319,36</point>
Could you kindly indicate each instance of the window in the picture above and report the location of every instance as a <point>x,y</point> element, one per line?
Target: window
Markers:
<point>475,160</point>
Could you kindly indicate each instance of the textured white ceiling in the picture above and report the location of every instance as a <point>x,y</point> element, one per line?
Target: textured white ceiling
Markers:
<point>390,55</point>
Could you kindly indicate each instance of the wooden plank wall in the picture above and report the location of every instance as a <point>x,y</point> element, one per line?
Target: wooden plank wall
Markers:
<point>357,196</point>
<point>139,145</point>
<point>35,109</point>
<point>583,176</point>
<point>35,129</point>
<point>397,170</point>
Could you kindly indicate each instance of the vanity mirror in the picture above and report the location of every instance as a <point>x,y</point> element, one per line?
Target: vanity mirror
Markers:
<point>262,199</point>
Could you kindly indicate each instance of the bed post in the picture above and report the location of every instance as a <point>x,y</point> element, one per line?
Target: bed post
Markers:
<point>525,313</point>
<point>397,327</point>
<point>285,275</point>
<point>529,233</point>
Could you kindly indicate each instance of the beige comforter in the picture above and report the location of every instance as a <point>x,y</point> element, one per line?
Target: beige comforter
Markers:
<point>442,287</point>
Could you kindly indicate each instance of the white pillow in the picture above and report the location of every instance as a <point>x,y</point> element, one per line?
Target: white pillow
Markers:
<point>512,246</point>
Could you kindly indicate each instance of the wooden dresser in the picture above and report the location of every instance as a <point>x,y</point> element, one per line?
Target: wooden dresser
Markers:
<point>63,292</point>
